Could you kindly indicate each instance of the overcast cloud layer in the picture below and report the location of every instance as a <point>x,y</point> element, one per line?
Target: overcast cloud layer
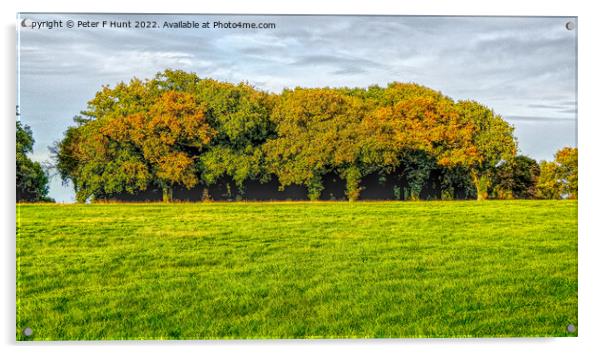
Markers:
<point>523,68</point>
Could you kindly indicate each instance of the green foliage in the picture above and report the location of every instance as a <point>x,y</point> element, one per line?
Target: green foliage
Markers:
<point>413,118</point>
<point>316,133</point>
<point>24,139</point>
<point>314,188</point>
<point>240,116</point>
<point>516,178</point>
<point>493,140</point>
<point>353,176</point>
<point>135,136</point>
<point>180,130</point>
<point>559,178</point>
<point>456,182</point>
<point>297,270</point>
<point>222,161</point>
<point>567,162</point>
<point>31,178</point>
<point>418,167</point>
<point>397,192</point>
<point>239,113</point>
<point>548,184</point>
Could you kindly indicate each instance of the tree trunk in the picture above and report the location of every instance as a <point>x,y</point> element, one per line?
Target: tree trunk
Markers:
<point>352,177</point>
<point>167,194</point>
<point>481,183</point>
<point>314,188</point>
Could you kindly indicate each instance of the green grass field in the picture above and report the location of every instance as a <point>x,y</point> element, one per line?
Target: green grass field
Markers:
<point>297,270</point>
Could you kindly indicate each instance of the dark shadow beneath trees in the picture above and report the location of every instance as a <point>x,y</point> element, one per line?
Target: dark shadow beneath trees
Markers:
<point>375,186</point>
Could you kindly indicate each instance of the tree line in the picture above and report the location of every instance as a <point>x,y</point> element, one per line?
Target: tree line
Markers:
<point>177,130</point>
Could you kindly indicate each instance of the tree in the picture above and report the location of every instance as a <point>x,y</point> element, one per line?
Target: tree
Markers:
<point>516,178</point>
<point>559,178</point>
<point>317,133</point>
<point>173,135</point>
<point>415,130</point>
<point>240,116</point>
<point>135,136</point>
<point>567,160</point>
<point>97,155</point>
<point>32,179</point>
<point>494,141</point>
<point>548,184</point>
<point>456,183</point>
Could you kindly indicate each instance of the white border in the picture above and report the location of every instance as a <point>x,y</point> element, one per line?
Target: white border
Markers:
<point>590,231</point>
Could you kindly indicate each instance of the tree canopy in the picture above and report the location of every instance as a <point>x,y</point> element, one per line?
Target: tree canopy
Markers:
<point>559,178</point>
<point>32,179</point>
<point>178,130</point>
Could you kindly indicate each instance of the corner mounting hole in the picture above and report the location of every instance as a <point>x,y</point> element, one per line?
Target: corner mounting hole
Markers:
<point>571,328</point>
<point>570,25</point>
<point>27,332</point>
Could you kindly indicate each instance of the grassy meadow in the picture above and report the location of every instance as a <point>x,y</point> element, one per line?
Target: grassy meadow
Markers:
<point>296,270</point>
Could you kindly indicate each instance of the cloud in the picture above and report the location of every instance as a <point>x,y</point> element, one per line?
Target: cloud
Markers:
<point>545,106</point>
<point>341,65</point>
<point>350,70</point>
<point>334,61</point>
<point>538,119</point>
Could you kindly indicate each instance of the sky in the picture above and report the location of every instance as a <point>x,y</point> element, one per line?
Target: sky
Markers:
<point>524,68</point>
